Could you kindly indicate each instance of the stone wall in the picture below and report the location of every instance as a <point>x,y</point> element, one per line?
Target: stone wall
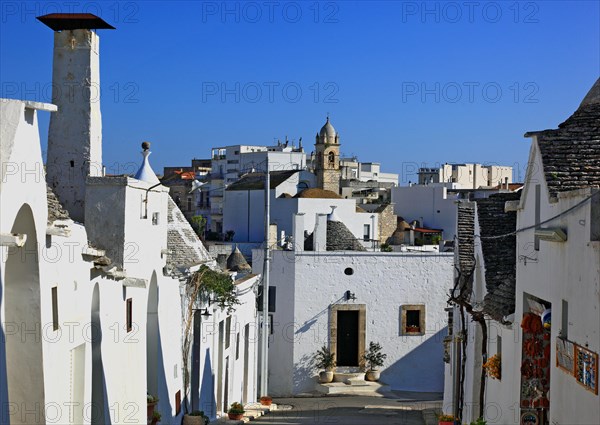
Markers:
<point>387,222</point>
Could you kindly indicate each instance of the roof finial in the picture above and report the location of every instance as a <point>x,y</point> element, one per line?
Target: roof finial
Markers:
<point>145,171</point>
<point>327,116</point>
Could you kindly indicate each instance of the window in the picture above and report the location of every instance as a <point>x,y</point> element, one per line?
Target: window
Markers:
<point>331,159</point>
<point>349,271</point>
<point>412,320</point>
<point>55,308</point>
<point>189,204</point>
<point>155,218</point>
<point>237,346</point>
<point>564,332</point>
<point>367,232</point>
<point>271,300</point>
<point>129,314</point>
<point>227,332</point>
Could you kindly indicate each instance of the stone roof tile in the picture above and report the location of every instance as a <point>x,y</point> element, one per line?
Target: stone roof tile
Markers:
<point>499,254</point>
<point>185,247</point>
<point>571,153</point>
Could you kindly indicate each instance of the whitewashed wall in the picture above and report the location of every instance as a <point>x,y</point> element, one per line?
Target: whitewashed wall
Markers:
<point>244,214</point>
<point>432,203</point>
<point>567,271</point>
<point>74,364</point>
<point>308,283</point>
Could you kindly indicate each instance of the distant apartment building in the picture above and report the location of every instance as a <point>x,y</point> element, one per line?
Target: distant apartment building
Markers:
<point>229,162</point>
<point>352,169</point>
<point>467,176</point>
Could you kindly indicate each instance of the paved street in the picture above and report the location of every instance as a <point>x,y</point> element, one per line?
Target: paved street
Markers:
<point>347,410</point>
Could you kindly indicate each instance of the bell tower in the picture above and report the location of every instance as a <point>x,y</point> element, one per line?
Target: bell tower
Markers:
<point>327,160</point>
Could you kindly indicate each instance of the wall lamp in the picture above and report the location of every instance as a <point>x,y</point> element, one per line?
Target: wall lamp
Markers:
<point>551,234</point>
<point>350,296</point>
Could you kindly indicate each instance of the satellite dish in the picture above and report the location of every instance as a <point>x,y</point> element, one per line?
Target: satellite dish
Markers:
<point>196,185</point>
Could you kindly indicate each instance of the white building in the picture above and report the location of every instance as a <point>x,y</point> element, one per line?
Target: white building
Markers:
<point>91,309</point>
<point>484,306</point>
<point>467,176</point>
<point>337,296</point>
<point>244,211</point>
<point>549,366</point>
<point>352,169</point>
<point>434,205</point>
<point>231,162</point>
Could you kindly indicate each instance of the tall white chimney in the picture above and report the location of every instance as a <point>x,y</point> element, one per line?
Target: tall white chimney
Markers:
<point>75,135</point>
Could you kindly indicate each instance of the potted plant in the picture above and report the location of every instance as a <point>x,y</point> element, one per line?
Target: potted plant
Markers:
<point>325,361</point>
<point>266,400</point>
<point>479,421</point>
<point>446,420</point>
<point>374,359</point>
<point>155,417</point>
<point>197,417</point>
<point>152,401</point>
<point>236,411</point>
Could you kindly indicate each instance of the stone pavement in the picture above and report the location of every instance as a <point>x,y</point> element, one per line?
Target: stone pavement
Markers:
<point>397,408</point>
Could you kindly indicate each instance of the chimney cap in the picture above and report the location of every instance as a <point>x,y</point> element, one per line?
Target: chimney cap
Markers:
<point>74,21</point>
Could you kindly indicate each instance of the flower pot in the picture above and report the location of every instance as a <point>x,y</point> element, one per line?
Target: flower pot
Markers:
<point>150,411</point>
<point>154,422</point>
<point>235,416</point>
<point>266,402</point>
<point>446,423</point>
<point>193,420</point>
<point>372,375</point>
<point>326,376</point>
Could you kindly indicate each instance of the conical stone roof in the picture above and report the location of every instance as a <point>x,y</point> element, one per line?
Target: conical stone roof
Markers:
<point>237,262</point>
<point>339,238</point>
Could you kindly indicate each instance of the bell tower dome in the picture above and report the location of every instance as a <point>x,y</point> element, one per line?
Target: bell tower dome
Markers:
<point>327,165</point>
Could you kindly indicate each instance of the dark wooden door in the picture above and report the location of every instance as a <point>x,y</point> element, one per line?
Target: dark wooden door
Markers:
<point>347,338</point>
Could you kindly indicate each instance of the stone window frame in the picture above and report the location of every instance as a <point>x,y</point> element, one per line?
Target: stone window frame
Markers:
<point>362,328</point>
<point>406,307</point>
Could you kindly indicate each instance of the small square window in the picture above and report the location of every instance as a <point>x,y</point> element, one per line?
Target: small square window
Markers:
<point>129,314</point>
<point>412,320</point>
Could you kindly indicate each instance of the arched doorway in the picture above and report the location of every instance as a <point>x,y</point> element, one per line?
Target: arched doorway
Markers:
<point>152,338</point>
<point>23,326</point>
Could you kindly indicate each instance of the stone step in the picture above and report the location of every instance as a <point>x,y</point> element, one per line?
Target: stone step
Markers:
<point>348,376</point>
<point>376,389</point>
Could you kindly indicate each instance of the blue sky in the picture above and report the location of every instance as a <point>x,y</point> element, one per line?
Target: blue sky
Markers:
<point>405,83</point>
